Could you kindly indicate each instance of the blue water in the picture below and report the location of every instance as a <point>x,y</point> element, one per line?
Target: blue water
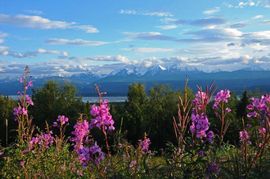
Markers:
<point>114,99</point>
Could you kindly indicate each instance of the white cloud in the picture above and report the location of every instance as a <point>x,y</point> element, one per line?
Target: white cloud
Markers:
<point>6,52</point>
<point>38,22</point>
<point>150,50</point>
<point>246,3</point>
<point>61,41</point>
<point>143,13</point>
<point>243,4</point>
<point>2,37</point>
<point>211,11</point>
<point>260,35</point>
<point>3,50</point>
<point>258,17</point>
<point>168,27</point>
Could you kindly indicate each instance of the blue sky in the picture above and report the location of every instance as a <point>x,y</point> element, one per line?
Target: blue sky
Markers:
<point>67,37</point>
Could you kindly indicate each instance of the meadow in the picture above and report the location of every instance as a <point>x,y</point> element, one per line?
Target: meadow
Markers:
<point>166,134</point>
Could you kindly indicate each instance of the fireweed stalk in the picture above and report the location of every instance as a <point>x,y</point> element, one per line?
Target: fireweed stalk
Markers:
<point>101,118</point>
<point>259,110</point>
<point>25,128</point>
<point>222,111</point>
<point>61,123</point>
<point>200,125</point>
<point>181,123</point>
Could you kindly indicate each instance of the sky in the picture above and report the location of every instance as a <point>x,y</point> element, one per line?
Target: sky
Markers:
<point>67,37</point>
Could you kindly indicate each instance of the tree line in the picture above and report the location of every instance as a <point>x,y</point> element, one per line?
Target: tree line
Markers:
<point>144,111</point>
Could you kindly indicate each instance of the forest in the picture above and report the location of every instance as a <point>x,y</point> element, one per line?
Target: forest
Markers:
<point>164,133</point>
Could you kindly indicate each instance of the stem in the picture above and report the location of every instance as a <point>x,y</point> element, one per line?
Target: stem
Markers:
<point>106,140</point>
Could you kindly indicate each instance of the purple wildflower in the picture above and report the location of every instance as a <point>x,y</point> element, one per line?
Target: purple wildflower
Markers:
<point>244,136</point>
<point>259,106</point>
<point>21,79</point>
<point>144,144</point>
<point>262,131</point>
<point>62,120</point>
<point>222,96</point>
<point>96,154</point>
<point>199,125</point>
<point>93,154</point>
<point>201,100</point>
<point>43,140</point>
<point>210,136</point>
<point>80,133</point>
<point>101,116</point>
<point>18,111</point>
<point>28,100</point>
<point>201,153</point>
<point>213,168</point>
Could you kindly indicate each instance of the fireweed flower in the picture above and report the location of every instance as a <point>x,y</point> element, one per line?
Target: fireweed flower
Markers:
<point>28,100</point>
<point>43,140</point>
<point>210,136</point>
<point>222,96</point>
<point>62,120</point>
<point>20,111</point>
<point>101,116</point>
<point>199,125</point>
<point>93,154</point>
<point>244,136</point>
<point>259,107</point>
<point>144,144</point>
<point>213,168</point>
<point>201,100</point>
<point>81,131</point>
<point>96,154</point>
<point>262,131</point>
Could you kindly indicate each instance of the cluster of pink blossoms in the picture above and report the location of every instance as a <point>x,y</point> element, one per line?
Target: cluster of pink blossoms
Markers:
<point>101,116</point>
<point>62,120</point>
<point>20,111</point>
<point>200,126</point>
<point>201,100</point>
<point>85,153</point>
<point>144,144</point>
<point>93,154</point>
<point>200,123</point>
<point>222,96</point>
<point>259,106</point>
<point>43,140</point>
<point>80,134</point>
<point>244,136</point>
<point>25,100</point>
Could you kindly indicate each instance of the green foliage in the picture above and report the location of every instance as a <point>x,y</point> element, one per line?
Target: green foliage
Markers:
<point>6,119</point>
<point>52,100</point>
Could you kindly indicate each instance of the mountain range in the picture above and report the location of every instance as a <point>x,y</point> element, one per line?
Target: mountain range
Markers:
<point>116,83</point>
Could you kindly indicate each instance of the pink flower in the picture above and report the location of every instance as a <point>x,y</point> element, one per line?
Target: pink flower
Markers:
<point>93,154</point>
<point>262,131</point>
<point>222,96</point>
<point>28,100</point>
<point>62,119</point>
<point>244,136</point>
<point>201,100</point>
<point>101,116</point>
<point>80,133</point>
<point>144,144</point>
<point>199,125</point>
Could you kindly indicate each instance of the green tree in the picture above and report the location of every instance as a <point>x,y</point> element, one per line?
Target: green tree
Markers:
<point>54,99</point>
<point>134,115</point>
<point>242,106</point>
<point>161,108</point>
<point>7,123</point>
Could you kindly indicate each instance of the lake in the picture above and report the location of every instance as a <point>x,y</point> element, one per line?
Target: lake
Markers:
<point>93,99</point>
